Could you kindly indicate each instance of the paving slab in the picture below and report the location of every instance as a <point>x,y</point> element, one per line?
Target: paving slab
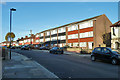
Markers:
<point>22,67</point>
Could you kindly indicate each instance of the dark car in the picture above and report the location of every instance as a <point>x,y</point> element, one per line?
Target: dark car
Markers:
<point>105,53</point>
<point>56,50</point>
<point>25,47</point>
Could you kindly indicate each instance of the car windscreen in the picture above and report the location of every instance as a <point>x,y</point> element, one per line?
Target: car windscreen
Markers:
<point>56,48</point>
<point>115,52</point>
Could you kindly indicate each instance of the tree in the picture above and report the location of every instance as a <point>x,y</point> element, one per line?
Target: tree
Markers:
<point>107,39</point>
<point>72,44</point>
<point>8,36</point>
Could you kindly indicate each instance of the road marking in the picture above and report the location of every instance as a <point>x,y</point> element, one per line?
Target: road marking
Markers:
<point>18,67</point>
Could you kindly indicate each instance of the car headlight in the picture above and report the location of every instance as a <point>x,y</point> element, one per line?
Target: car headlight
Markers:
<point>119,57</point>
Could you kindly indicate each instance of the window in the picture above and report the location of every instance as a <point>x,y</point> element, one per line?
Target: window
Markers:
<point>28,40</point>
<point>47,39</point>
<point>37,40</point>
<point>86,24</point>
<point>41,34</point>
<point>60,45</point>
<point>69,44</point>
<point>41,40</point>
<point>105,50</point>
<point>60,30</point>
<point>25,41</point>
<point>53,38</point>
<point>73,27</point>
<point>61,37</point>
<point>75,44</point>
<point>90,45</point>
<point>54,31</point>
<point>86,34</point>
<point>37,35</point>
<point>73,36</point>
<point>98,49</point>
<point>83,44</point>
<point>47,33</point>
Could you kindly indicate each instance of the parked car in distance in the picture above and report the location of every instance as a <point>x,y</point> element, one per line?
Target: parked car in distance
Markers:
<point>13,47</point>
<point>25,47</point>
<point>18,47</point>
<point>56,50</point>
<point>44,48</point>
<point>37,46</point>
<point>105,53</point>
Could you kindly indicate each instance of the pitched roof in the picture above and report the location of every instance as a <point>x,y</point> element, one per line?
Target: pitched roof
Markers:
<point>117,24</point>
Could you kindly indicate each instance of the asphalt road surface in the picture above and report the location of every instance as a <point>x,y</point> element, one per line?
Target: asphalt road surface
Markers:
<point>72,66</point>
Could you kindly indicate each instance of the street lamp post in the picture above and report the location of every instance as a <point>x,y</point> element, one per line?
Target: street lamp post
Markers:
<point>10,27</point>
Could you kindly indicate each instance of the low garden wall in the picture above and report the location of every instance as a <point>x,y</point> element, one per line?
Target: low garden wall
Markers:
<point>79,50</point>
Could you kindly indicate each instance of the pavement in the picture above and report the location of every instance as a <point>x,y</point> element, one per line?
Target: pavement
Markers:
<point>22,67</point>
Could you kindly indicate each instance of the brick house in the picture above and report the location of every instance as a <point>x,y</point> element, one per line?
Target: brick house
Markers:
<point>87,33</point>
<point>115,33</point>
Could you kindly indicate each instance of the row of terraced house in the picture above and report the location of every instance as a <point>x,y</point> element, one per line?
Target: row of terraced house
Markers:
<point>87,34</point>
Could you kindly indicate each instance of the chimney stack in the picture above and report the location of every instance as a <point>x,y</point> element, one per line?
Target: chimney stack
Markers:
<point>21,37</point>
<point>26,36</point>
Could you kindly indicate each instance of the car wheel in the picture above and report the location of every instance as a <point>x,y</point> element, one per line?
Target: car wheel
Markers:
<point>114,61</point>
<point>93,58</point>
<point>55,52</point>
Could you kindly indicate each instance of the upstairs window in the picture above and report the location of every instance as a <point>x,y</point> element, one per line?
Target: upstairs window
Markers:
<point>73,27</point>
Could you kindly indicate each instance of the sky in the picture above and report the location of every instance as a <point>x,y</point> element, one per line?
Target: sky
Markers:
<point>39,16</point>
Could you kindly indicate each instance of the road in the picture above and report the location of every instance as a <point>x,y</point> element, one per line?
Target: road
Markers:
<point>72,66</point>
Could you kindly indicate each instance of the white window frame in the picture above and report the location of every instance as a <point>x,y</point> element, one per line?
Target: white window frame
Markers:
<point>86,24</point>
<point>73,36</point>
<point>86,34</point>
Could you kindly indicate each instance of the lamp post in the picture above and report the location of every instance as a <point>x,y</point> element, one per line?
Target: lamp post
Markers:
<point>12,9</point>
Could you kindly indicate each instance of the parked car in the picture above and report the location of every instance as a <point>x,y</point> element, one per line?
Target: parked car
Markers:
<point>105,53</point>
<point>25,47</point>
<point>56,50</point>
<point>18,47</point>
<point>31,46</point>
<point>13,47</point>
<point>44,48</point>
<point>37,47</point>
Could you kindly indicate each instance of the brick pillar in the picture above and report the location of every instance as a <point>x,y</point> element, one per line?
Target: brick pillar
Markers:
<point>78,35</point>
<point>57,37</point>
<point>50,38</point>
<point>94,34</point>
<point>44,38</point>
<point>87,46</point>
<point>66,35</point>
